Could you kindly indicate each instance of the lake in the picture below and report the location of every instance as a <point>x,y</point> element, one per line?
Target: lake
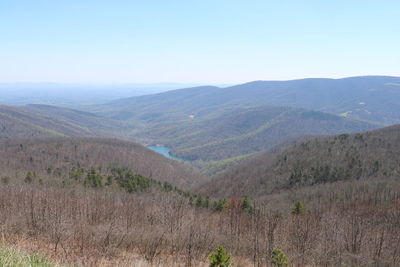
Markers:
<point>165,151</point>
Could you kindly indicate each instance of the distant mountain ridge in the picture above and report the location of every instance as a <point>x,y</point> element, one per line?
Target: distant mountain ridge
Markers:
<point>34,121</point>
<point>370,98</point>
<point>208,122</point>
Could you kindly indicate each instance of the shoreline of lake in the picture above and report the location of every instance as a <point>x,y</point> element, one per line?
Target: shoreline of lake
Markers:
<point>165,151</point>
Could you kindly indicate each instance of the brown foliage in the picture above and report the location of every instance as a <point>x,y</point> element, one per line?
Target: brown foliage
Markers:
<point>374,154</point>
<point>86,225</point>
<point>57,156</point>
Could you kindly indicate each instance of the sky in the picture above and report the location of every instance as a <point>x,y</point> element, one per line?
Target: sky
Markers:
<point>196,41</point>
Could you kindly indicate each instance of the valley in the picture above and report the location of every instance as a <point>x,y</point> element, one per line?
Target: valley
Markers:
<point>249,171</point>
<point>212,123</point>
<point>199,133</point>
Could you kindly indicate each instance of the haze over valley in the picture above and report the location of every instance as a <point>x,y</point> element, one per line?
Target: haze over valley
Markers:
<point>212,133</point>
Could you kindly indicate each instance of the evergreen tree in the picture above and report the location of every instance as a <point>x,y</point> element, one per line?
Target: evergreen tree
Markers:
<point>5,179</point>
<point>279,259</point>
<point>247,204</point>
<point>29,177</point>
<point>199,201</point>
<point>206,203</point>
<point>220,258</point>
<point>93,179</point>
<point>298,208</point>
<point>221,205</point>
<point>109,180</point>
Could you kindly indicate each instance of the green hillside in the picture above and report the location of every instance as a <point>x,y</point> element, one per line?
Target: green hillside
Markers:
<point>247,131</point>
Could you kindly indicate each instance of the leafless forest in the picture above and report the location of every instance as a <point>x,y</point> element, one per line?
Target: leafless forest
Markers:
<point>199,133</point>
<point>105,202</point>
<point>107,227</point>
<point>374,154</point>
<point>54,157</point>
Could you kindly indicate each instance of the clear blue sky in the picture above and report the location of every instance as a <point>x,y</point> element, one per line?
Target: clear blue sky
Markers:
<point>201,41</point>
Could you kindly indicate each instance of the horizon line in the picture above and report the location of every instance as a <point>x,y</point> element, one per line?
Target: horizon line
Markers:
<point>171,83</point>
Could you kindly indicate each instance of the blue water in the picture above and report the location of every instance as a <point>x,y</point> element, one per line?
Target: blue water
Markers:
<point>163,150</point>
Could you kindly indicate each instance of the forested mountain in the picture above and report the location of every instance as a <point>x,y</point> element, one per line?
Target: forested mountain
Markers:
<point>371,98</point>
<point>49,157</point>
<point>212,123</point>
<point>99,125</point>
<point>247,131</point>
<point>17,123</point>
<point>87,223</point>
<point>325,201</point>
<point>41,120</point>
<point>344,157</point>
<point>139,134</point>
<point>176,104</point>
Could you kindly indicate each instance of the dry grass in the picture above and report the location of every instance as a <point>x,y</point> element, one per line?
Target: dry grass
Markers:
<point>29,251</point>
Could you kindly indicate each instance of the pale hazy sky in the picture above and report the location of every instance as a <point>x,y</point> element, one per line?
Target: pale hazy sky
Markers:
<point>193,41</point>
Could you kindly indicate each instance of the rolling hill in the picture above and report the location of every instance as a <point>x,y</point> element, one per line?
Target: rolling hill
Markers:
<point>211,123</point>
<point>57,156</point>
<point>248,131</point>
<point>98,125</point>
<point>356,157</point>
<point>371,98</point>
<point>41,120</point>
<point>348,184</point>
